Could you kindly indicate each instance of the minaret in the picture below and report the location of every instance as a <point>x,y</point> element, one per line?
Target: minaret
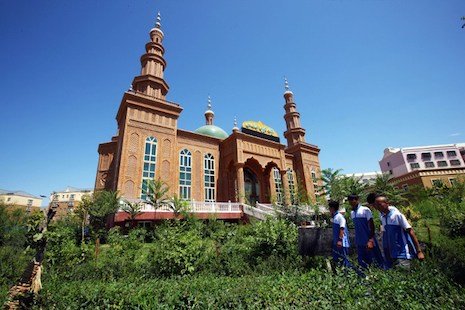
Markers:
<point>209,113</point>
<point>150,81</point>
<point>294,133</point>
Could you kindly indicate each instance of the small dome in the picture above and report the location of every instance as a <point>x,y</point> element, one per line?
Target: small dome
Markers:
<point>212,131</point>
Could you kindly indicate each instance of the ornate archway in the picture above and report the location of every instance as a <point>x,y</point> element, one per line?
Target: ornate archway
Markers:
<point>255,185</point>
<point>251,187</point>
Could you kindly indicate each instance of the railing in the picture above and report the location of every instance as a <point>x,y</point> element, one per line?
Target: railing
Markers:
<point>197,207</point>
<point>258,213</point>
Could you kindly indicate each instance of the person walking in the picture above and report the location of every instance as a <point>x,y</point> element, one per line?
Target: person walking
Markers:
<point>365,241</point>
<point>340,244</point>
<point>400,243</point>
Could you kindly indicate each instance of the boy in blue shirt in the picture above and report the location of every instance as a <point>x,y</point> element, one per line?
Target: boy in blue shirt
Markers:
<point>365,241</point>
<point>397,236</point>
<point>340,244</point>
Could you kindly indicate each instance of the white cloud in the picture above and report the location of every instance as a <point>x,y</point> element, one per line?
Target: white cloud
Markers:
<point>455,134</point>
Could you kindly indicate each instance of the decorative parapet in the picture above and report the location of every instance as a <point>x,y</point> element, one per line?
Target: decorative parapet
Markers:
<point>424,173</point>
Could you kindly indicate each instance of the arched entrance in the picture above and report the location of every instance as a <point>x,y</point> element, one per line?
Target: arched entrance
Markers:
<point>252,186</point>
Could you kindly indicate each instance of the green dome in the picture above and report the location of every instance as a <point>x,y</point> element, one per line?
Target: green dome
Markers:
<point>212,131</point>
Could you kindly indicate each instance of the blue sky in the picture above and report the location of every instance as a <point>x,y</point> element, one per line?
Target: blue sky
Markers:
<point>366,74</point>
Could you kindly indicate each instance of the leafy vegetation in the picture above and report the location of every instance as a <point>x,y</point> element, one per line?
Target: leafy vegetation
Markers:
<point>188,263</point>
<point>424,288</point>
<point>18,236</point>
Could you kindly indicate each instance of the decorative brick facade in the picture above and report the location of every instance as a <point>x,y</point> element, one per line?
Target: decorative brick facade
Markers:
<point>149,145</point>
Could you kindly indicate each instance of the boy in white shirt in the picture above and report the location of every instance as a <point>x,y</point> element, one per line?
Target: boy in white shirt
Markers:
<point>365,241</point>
<point>397,234</point>
<point>340,244</point>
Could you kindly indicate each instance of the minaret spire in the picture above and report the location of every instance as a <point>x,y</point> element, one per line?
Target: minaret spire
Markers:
<point>294,133</point>
<point>209,112</point>
<point>286,84</point>
<point>235,125</point>
<point>158,23</point>
<point>151,81</point>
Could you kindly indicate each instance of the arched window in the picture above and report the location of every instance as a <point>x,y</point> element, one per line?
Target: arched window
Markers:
<point>185,174</point>
<point>278,184</point>
<point>209,177</point>
<point>150,160</point>
<point>290,178</point>
<point>314,178</point>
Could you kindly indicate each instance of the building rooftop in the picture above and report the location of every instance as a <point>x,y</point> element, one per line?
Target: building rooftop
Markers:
<point>212,131</point>
<point>413,148</point>
<point>17,193</point>
<point>69,189</point>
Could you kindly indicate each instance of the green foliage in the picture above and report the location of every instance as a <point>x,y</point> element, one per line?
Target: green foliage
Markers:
<point>332,184</point>
<point>424,288</point>
<point>449,254</point>
<point>18,235</point>
<point>63,253</point>
<point>394,195</point>
<point>452,220</point>
<point>157,191</point>
<point>98,207</point>
<point>293,213</point>
<point>411,214</point>
<point>133,209</point>
<point>181,250</point>
<point>179,206</point>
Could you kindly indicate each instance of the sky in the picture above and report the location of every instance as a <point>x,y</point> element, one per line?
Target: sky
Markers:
<point>366,75</point>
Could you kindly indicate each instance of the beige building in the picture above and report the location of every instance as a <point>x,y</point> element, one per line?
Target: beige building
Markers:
<point>64,201</point>
<point>20,199</point>
<point>248,164</point>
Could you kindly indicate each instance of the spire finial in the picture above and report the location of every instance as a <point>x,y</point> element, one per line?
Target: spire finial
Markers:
<point>235,124</point>
<point>286,84</point>
<point>209,104</point>
<point>158,23</point>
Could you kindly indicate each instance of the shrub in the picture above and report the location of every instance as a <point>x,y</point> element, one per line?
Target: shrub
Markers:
<point>449,255</point>
<point>423,288</point>
<point>181,250</point>
<point>452,221</point>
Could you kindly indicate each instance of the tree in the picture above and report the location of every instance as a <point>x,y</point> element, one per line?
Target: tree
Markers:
<point>333,184</point>
<point>133,209</point>
<point>82,211</point>
<point>392,193</point>
<point>157,193</point>
<point>179,206</point>
<point>353,185</point>
<point>329,179</point>
<point>103,204</point>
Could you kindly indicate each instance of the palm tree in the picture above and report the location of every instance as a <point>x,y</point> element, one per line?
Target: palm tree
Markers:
<point>333,184</point>
<point>157,193</point>
<point>133,209</point>
<point>179,206</point>
<point>392,193</point>
<point>353,185</point>
<point>329,178</point>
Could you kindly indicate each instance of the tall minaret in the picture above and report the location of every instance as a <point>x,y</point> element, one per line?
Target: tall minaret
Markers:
<point>209,113</point>
<point>294,133</point>
<point>150,81</point>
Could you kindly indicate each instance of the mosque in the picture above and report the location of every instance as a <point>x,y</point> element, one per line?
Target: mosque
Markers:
<point>247,165</point>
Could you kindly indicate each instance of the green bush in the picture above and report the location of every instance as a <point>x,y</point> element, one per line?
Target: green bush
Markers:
<point>424,288</point>
<point>17,234</point>
<point>428,208</point>
<point>181,250</point>
<point>449,255</point>
<point>452,221</point>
